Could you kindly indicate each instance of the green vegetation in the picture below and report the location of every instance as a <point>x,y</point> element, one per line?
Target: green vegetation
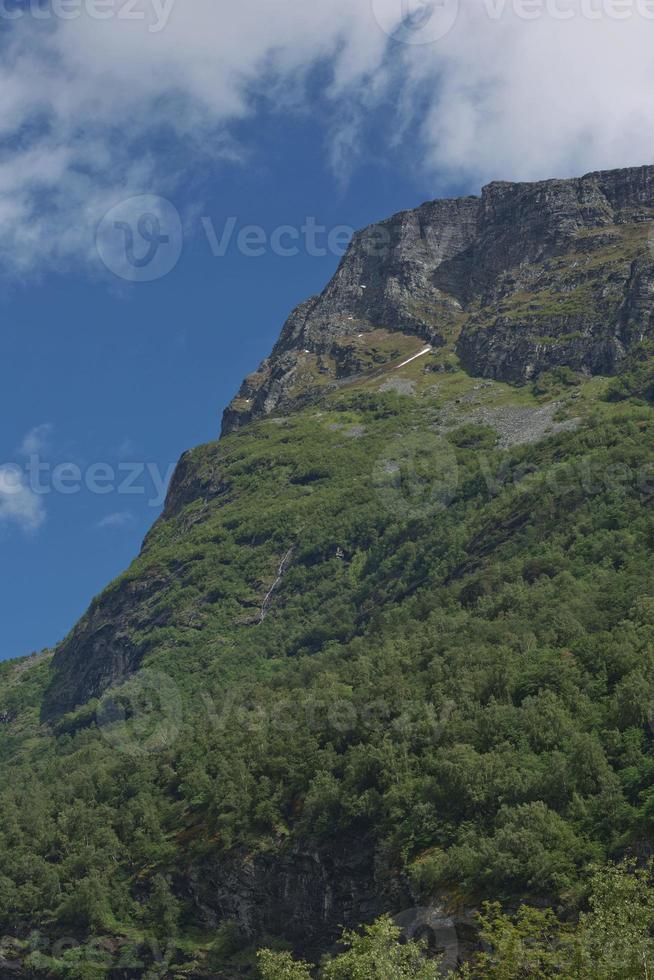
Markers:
<point>376,954</point>
<point>637,379</point>
<point>456,667</point>
<point>613,940</point>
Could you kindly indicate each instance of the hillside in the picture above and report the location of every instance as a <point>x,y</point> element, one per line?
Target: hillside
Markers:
<point>391,644</point>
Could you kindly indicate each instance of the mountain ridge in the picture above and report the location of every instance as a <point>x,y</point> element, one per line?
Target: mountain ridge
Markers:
<point>470,266</point>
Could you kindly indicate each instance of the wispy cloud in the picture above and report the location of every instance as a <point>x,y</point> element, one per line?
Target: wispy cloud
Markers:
<point>502,93</point>
<point>36,440</point>
<point>19,505</point>
<point>82,96</point>
<point>117,520</point>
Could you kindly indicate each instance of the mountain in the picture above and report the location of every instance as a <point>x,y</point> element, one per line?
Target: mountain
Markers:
<point>390,646</point>
<point>525,278</point>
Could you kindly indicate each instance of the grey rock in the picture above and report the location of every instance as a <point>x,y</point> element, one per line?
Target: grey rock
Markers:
<point>401,386</point>
<point>307,893</point>
<point>515,426</point>
<point>100,652</point>
<point>533,275</point>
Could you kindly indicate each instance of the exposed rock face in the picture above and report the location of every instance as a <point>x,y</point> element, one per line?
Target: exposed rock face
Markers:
<point>387,280</point>
<point>308,893</point>
<point>560,275</point>
<point>529,276</point>
<point>303,893</point>
<point>101,651</point>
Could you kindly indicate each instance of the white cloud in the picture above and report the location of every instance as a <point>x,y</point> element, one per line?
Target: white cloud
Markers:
<point>496,97</point>
<point>19,505</point>
<point>36,440</point>
<point>528,99</point>
<point>80,98</point>
<point>126,448</point>
<point>119,519</point>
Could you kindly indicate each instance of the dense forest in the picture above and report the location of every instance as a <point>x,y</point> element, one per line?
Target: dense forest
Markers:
<point>370,629</point>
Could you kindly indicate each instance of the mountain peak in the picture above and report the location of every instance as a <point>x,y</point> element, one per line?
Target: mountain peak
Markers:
<point>526,277</point>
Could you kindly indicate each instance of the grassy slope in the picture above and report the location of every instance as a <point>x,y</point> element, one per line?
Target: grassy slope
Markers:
<point>462,637</point>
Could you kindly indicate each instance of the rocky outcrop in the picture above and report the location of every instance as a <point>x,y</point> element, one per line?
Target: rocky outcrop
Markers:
<point>307,893</point>
<point>101,651</point>
<point>529,277</point>
<point>386,280</point>
<point>108,644</point>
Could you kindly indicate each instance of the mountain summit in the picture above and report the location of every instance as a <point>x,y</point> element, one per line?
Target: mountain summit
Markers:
<point>527,277</point>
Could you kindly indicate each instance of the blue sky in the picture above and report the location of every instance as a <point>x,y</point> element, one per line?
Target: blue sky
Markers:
<point>270,113</point>
<point>133,374</point>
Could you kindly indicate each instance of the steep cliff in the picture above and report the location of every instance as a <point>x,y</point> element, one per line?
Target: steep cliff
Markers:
<point>525,278</point>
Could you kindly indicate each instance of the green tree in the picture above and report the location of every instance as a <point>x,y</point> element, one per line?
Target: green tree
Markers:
<point>377,954</point>
<point>86,906</point>
<point>281,966</point>
<point>531,944</point>
<point>617,934</point>
<point>614,940</point>
<point>163,908</point>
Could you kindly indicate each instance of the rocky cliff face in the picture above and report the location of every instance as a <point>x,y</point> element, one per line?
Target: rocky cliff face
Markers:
<point>109,642</point>
<point>304,892</point>
<point>386,282</point>
<point>526,278</point>
<point>308,892</point>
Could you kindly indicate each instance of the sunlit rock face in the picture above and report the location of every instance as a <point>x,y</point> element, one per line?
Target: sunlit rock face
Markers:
<point>523,279</point>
